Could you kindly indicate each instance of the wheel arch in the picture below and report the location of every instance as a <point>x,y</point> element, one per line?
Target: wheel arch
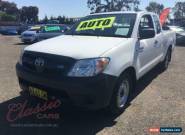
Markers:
<point>131,71</point>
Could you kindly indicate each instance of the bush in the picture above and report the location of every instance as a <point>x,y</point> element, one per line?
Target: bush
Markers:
<point>7,17</point>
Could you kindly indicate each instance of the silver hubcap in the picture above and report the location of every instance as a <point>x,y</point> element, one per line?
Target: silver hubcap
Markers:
<point>123,93</point>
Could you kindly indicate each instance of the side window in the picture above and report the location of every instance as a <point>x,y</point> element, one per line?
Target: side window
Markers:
<point>146,22</point>
<point>145,26</point>
<point>157,24</point>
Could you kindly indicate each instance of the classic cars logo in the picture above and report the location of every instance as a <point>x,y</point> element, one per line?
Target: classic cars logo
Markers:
<point>18,111</point>
<point>39,64</point>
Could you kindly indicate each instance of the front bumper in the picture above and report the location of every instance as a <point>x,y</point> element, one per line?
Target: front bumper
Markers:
<point>91,92</point>
<point>28,39</point>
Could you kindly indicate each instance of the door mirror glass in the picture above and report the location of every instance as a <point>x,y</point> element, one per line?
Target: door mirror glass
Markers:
<point>147,33</point>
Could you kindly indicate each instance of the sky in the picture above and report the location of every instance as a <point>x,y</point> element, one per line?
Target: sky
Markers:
<point>72,8</point>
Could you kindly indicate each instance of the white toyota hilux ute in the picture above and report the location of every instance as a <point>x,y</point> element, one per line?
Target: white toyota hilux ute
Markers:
<point>97,63</point>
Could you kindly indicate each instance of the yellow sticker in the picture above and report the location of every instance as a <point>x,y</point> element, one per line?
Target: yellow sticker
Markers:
<point>93,24</point>
<point>35,27</point>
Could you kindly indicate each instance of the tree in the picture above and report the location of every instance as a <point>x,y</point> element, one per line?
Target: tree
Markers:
<point>97,6</point>
<point>45,20</point>
<point>29,14</point>
<point>8,7</point>
<point>7,17</point>
<point>61,19</point>
<point>179,10</point>
<point>52,18</point>
<point>155,7</point>
<point>9,10</point>
<point>25,14</point>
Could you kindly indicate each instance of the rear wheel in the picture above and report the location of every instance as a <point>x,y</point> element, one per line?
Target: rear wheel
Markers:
<point>36,40</point>
<point>121,94</point>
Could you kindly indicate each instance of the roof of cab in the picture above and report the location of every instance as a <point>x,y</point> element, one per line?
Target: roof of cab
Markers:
<point>124,12</point>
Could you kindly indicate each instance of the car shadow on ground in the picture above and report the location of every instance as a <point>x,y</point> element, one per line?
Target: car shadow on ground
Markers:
<point>180,43</point>
<point>72,120</point>
<point>145,81</point>
<point>22,44</point>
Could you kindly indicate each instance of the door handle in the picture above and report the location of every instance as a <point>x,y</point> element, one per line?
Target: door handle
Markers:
<point>140,49</point>
<point>156,42</point>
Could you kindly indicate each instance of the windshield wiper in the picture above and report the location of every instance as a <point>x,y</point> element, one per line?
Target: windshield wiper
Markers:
<point>85,34</point>
<point>92,34</point>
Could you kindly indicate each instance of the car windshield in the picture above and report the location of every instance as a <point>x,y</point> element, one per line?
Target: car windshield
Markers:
<point>35,28</point>
<point>107,25</point>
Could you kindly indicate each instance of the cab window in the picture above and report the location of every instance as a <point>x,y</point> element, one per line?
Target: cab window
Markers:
<point>146,22</point>
<point>157,24</point>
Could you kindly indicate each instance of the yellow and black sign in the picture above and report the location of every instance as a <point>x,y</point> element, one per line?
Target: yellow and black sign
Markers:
<point>35,28</point>
<point>93,24</point>
<point>38,93</point>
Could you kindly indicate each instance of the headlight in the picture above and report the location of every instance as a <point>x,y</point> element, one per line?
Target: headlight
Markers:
<point>89,67</point>
<point>20,58</point>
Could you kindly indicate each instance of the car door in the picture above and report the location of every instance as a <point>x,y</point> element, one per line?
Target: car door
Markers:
<point>42,34</point>
<point>158,44</point>
<point>145,47</point>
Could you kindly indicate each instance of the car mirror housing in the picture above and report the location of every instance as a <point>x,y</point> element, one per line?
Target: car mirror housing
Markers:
<point>147,33</point>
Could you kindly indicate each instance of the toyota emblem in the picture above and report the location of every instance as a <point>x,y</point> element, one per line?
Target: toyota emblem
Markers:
<point>39,64</point>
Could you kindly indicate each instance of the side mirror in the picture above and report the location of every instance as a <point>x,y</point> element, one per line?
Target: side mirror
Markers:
<point>147,33</point>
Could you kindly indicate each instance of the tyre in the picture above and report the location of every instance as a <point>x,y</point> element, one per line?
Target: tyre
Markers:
<point>121,94</point>
<point>165,64</point>
<point>36,40</point>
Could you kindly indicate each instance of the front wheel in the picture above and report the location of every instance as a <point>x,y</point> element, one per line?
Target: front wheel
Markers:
<point>121,94</point>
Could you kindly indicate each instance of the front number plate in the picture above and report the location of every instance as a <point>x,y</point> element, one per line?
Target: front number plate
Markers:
<point>38,93</point>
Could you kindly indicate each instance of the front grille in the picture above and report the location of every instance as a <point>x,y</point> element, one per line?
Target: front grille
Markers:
<point>27,40</point>
<point>28,35</point>
<point>53,64</point>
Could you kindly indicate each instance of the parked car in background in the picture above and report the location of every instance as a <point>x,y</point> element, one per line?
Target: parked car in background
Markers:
<point>9,31</point>
<point>22,28</point>
<point>38,33</point>
<point>30,36</point>
<point>180,33</point>
<point>50,31</point>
